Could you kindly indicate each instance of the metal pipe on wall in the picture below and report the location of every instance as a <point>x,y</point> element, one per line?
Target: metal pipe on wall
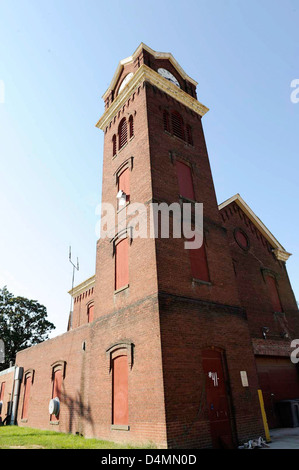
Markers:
<point>15,401</point>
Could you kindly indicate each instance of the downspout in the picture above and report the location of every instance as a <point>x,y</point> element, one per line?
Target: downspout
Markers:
<point>15,401</point>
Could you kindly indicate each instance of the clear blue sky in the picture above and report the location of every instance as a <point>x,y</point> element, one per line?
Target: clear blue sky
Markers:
<point>57,59</point>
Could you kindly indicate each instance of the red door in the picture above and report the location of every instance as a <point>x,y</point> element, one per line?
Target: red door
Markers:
<point>120,390</point>
<point>217,401</point>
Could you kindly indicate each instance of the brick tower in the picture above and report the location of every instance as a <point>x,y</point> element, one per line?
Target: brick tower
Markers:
<point>175,331</point>
<point>165,343</point>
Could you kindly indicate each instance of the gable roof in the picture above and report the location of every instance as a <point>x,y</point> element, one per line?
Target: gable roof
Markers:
<point>279,250</point>
<point>157,55</point>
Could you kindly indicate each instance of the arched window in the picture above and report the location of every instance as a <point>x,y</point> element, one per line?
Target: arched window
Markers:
<point>120,362</point>
<point>90,310</point>
<point>185,180</point>
<point>120,378</point>
<point>189,135</point>
<point>58,375</point>
<point>27,386</point>
<point>131,126</point>
<point>124,185</point>
<point>114,144</point>
<point>122,133</point>
<point>273,293</point>
<point>166,121</point>
<point>122,264</point>
<point>199,264</point>
<point>177,125</point>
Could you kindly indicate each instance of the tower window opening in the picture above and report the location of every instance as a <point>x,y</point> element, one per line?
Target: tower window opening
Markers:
<point>131,126</point>
<point>122,133</point>
<point>166,121</point>
<point>177,125</point>
<point>114,144</point>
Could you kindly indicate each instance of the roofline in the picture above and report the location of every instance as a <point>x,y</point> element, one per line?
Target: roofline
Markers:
<point>87,284</point>
<point>157,55</point>
<point>146,74</point>
<point>279,250</point>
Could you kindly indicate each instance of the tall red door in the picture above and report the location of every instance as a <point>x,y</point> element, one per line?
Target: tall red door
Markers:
<point>120,390</point>
<point>217,400</point>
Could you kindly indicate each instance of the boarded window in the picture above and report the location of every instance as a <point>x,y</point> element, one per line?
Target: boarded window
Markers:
<point>120,408</point>
<point>241,239</point>
<point>272,288</point>
<point>124,183</point>
<point>131,126</point>
<point>114,145</point>
<point>56,391</point>
<point>177,125</point>
<point>199,264</point>
<point>122,133</point>
<point>166,123</point>
<point>90,313</point>
<point>185,180</point>
<point>27,387</point>
<point>122,264</point>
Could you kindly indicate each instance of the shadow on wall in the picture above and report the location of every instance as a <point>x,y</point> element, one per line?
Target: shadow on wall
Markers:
<point>79,414</point>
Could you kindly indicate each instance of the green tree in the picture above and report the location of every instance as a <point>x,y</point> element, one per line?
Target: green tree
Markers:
<point>23,323</point>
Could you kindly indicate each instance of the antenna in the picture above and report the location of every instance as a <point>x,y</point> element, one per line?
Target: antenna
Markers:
<point>75,267</point>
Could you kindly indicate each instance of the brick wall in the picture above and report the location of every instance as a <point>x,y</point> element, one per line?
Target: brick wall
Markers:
<point>251,266</point>
<point>7,377</point>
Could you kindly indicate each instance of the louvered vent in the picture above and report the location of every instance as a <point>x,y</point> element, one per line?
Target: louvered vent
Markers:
<point>114,144</point>
<point>131,126</point>
<point>166,121</point>
<point>122,133</point>
<point>177,125</point>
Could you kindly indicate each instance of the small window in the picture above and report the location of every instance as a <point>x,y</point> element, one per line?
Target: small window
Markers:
<point>90,311</point>
<point>166,123</point>
<point>122,264</point>
<point>177,125</point>
<point>27,388</point>
<point>199,264</point>
<point>114,145</point>
<point>185,180</point>
<point>122,133</point>
<point>189,135</point>
<point>131,126</point>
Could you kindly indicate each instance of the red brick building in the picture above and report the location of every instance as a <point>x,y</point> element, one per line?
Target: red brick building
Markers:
<point>167,344</point>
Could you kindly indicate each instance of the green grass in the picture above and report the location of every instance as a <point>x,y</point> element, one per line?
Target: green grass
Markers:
<point>12,437</point>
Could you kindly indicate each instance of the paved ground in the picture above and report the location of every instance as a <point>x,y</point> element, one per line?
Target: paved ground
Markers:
<point>284,438</point>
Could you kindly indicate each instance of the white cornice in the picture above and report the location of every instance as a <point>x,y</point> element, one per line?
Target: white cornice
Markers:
<point>279,251</point>
<point>157,55</point>
<point>145,73</point>
<point>85,285</point>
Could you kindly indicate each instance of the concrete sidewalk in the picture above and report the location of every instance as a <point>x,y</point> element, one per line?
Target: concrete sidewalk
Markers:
<point>284,438</point>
